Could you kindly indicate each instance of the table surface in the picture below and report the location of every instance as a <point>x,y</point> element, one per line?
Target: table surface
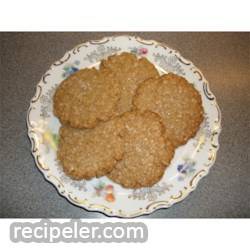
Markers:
<point>224,59</point>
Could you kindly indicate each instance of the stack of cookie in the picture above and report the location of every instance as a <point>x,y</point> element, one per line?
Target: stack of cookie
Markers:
<point>124,120</point>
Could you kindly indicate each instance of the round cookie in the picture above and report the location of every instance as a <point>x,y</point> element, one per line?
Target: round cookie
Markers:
<point>88,153</point>
<point>86,97</point>
<point>177,102</point>
<point>130,71</point>
<point>146,151</point>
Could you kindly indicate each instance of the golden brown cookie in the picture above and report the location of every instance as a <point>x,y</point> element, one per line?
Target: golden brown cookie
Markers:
<point>87,97</point>
<point>88,153</point>
<point>177,102</point>
<point>130,71</point>
<point>146,150</point>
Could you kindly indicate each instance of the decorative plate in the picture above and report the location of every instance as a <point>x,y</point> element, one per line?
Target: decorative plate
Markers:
<point>190,163</point>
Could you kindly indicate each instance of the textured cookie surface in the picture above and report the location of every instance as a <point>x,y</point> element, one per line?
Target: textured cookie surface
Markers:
<point>86,97</point>
<point>130,72</point>
<point>146,151</point>
<point>176,101</point>
<point>87,153</point>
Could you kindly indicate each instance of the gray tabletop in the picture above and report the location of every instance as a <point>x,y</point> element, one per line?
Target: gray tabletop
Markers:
<point>224,58</point>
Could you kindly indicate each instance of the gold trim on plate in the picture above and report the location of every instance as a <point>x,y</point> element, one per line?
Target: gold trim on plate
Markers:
<point>153,205</point>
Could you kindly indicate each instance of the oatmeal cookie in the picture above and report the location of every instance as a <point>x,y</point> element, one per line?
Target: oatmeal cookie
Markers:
<point>146,150</point>
<point>177,102</point>
<point>87,97</point>
<point>88,153</point>
<point>130,71</point>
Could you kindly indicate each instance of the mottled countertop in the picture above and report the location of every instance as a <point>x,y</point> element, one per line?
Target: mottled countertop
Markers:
<point>224,59</point>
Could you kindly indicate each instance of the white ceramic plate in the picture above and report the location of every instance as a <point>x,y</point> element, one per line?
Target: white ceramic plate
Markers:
<point>190,163</point>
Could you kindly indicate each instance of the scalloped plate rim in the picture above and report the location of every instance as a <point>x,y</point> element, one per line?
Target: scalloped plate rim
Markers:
<point>115,213</point>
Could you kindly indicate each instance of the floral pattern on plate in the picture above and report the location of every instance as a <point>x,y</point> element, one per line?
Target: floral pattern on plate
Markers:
<point>191,161</point>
